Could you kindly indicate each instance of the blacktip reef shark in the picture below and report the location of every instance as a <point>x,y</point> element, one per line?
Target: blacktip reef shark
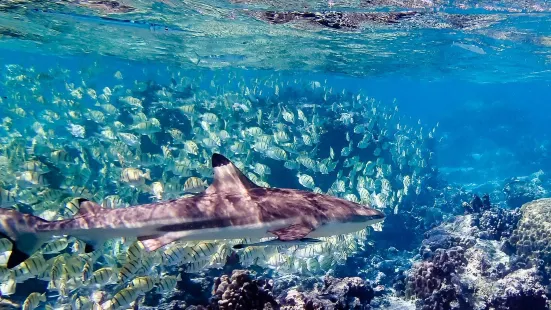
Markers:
<point>232,207</point>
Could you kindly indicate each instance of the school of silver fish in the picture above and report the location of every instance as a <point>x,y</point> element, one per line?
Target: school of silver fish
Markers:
<point>136,141</point>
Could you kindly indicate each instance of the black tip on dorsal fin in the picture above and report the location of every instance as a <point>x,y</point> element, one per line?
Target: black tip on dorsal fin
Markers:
<point>86,206</point>
<point>227,177</point>
<point>81,201</point>
<point>219,160</point>
<point>16,257</point>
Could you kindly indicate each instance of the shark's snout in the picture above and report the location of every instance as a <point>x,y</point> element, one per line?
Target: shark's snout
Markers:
<point>360,219</point>
<point>365,213</point>
<point>377,216</point>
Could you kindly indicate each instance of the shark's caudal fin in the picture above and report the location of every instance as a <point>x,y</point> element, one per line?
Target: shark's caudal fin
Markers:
<point>227,177</point>
<point>19,228</point>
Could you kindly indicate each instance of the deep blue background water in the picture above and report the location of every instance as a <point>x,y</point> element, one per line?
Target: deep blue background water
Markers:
<point>488,131</point>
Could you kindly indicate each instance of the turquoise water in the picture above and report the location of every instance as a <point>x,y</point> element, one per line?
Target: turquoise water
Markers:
<point>410,107</point>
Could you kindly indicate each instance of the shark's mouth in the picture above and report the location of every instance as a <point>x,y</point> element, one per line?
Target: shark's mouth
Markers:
<point>365,218</point>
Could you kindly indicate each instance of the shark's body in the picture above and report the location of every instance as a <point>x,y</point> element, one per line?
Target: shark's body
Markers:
<point>231,208</point>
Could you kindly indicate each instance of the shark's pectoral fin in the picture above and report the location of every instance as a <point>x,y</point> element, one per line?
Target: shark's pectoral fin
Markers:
<point>277,242</point>
<point>293,232</point>
<point>151,243</point>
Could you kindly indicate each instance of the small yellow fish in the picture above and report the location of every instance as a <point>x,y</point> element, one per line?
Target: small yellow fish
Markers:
<point>194,185</point>
<point>135,176</point>
<point>33,301</point>
<point>167,283</point>
<point>55,246</point>
<point>102,276</point>
<point>123,298</point>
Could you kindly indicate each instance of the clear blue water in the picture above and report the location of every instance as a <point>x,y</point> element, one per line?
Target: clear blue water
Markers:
<point>474,118</point>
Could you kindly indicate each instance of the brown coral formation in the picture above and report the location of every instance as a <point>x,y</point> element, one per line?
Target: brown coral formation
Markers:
<point>335,293</point>
<point>532,238</point>
<point>241,291</point>
<point>433,280</point>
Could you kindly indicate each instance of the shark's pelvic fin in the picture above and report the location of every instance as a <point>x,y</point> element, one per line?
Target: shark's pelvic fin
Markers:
<point>292,232</point>
<point>277,242</point>
<point>227,177</point>
<point>152,243</point>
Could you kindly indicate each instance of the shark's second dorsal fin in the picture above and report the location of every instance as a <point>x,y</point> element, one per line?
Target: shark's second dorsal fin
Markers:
<point>86,207</point>
<point>227,177</point>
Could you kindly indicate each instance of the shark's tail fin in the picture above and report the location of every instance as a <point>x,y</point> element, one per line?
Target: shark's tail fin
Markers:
<point>19,229</point>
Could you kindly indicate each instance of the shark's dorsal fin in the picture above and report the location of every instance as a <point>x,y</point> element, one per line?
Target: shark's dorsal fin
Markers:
<point>86,207</point>
<point>227,177</point>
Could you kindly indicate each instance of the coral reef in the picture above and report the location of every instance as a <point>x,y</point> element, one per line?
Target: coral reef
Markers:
<point>433,280</point>
<point>334,293</point>
<point>464,263</point>
<point>477,204</point>
<point>241,291</point>
<point>497,223</point>
<point>190,291</point>
<point>531,239</point>
<point>519,290</point>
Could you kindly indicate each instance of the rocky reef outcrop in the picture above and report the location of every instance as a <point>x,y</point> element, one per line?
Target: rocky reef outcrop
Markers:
<point>242,291</point>
<point>531,241</point>
<point>333,293</point>
<point>476,261</point>
<point>519,191</point>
